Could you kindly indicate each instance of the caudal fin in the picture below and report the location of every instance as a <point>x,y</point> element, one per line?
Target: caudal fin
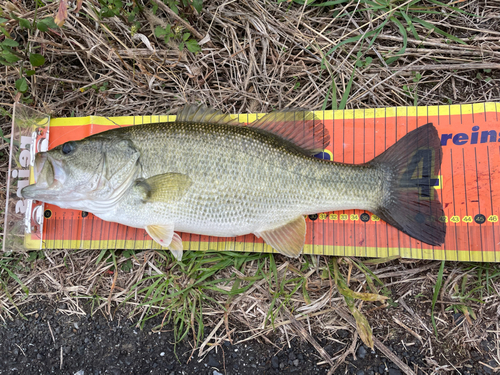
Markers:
<point>411,170</point>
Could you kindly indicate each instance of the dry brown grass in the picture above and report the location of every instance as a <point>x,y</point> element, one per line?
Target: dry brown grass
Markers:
<point>259,57</point>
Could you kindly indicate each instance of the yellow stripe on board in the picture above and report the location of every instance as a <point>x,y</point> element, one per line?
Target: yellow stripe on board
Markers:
<point>372,252</point>
<point>31,243</point>
<point>348,114</point>
<point>111,121</point>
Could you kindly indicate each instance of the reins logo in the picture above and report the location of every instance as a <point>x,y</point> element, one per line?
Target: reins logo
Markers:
<point>460,139</point>
<point>23,175</point>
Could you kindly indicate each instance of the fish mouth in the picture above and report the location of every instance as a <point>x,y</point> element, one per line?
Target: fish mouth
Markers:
<point>49,177</point>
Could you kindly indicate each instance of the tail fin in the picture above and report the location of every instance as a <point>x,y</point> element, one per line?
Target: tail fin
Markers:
<point>411,168</point>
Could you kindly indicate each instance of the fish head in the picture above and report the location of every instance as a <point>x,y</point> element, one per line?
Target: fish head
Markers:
<point>77,174</point>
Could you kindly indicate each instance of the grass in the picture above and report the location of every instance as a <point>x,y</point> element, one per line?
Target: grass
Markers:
<point>437,289</point>
<point>180,292</point>
<point>148,58</point>
<point>9,282</point>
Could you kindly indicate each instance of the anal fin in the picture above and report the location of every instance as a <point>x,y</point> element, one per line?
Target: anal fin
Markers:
<point>288,239</point>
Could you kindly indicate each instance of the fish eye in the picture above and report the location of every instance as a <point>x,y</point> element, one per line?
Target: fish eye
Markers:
<point>68,148</point>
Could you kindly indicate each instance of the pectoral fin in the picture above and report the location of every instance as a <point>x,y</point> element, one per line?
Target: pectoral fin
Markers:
<point>176,247</point>
<point>288,239</point>
<point>166,188</point>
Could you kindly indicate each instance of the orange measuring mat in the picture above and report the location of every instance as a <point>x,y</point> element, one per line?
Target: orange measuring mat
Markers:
<point>468,186</point>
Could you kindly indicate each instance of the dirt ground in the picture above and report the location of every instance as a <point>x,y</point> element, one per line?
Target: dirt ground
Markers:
<point>112,312</point>
<point>106,335</point>
<point>48,341</point>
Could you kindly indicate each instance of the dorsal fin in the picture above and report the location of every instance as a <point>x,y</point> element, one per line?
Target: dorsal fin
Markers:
<point>297,126</point>
<point>300,127</point>
<point>202,113</point>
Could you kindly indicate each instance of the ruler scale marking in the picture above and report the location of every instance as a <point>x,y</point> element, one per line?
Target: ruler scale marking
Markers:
<point>466,205</point>
<point>491,202</point>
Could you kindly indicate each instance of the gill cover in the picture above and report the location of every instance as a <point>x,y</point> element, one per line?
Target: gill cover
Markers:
<point>121,167</point>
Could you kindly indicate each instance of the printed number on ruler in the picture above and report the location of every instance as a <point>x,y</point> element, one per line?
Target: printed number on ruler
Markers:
<point>424,183</point>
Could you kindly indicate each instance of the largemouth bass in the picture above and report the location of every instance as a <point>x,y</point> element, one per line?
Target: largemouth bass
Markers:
<point>207,174</point>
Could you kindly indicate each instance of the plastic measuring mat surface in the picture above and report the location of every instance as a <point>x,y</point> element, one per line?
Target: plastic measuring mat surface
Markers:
<point>468,185</point>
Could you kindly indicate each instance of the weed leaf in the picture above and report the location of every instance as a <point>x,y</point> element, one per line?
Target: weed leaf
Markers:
<point>10,43</point>
<point>36,59</point>
<point>22,85</point>
<point>193,46</point>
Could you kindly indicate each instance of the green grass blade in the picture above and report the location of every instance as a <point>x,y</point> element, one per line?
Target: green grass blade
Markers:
<point>438,30</point>
<point>437,289</point>
<point>458,10</point>
<point>101,256</point>
<point>347,91</point>
<point>378,30</point>
<point>404,35</point>
<point>410,25</point>
<point>352,39</point>
<point>334,95</point>
<point>323,107</point>
<point>329,3</point>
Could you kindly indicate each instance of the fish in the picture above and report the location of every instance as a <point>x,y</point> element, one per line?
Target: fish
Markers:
<point>205,173</point>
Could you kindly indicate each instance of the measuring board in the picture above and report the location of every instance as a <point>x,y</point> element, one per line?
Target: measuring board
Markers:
<point>468,186</point>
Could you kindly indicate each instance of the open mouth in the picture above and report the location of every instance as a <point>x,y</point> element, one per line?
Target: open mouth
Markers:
<point>45,179</point>
<point>49,176</point>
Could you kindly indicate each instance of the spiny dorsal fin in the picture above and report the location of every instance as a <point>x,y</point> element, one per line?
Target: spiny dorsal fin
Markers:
<point>201,113</point>
<point>300,127</point>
